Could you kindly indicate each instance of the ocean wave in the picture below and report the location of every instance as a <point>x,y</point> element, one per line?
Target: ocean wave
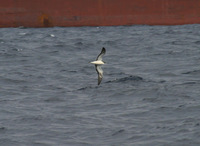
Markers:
<point>126,79</point>
<point>192,72</point>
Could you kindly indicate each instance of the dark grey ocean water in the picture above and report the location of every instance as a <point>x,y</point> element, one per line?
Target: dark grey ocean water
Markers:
<point>149,96</point>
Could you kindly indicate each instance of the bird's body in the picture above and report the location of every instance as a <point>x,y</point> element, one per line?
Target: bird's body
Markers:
<point>98,64</point>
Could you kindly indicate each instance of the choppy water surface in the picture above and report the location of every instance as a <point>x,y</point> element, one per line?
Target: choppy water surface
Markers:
<point>150,93</point>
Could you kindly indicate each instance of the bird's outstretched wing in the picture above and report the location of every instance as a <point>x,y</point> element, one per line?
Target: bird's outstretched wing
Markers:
<point>103,51</point>
<point>99,72</point>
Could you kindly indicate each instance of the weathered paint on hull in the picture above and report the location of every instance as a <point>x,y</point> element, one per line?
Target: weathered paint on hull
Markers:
<point>49,13</point>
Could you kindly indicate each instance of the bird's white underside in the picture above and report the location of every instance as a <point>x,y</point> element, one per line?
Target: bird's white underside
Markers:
<point>98,62</point>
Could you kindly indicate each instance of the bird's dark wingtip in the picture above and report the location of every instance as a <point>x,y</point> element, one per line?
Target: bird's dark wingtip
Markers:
<point>103,49</point>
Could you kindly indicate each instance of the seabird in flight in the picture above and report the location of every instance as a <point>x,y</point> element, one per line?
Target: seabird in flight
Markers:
<point>98,64</point>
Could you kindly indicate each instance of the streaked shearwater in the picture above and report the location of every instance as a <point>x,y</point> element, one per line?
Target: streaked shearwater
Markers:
<point>98,64</point>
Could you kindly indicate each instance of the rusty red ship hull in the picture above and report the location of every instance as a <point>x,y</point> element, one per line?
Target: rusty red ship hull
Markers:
<point>49,13</point>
